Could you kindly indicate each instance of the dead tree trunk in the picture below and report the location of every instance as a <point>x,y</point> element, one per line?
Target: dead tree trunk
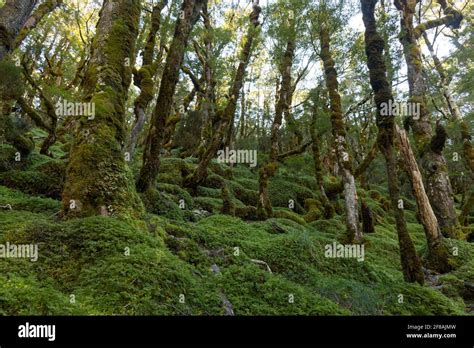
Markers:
<point>374,47</point>
<point>438,254</point>
<point>345,166</point>
<point>429,146</point>
<point>151,156</point>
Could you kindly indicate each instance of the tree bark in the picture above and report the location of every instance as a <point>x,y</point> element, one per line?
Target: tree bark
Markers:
<point>438,254</point>
<point>13,16</point>
<point>264,207</point>
<point>151,156</point>
<point>227,114</point>
<point>433,163</point>
<point>42,11</point>
<point>345,166</point>
<point>374,47</point>
<point>97,178</point>
<point>144,78</point>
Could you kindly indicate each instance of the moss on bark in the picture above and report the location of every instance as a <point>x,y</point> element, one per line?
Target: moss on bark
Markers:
<point>98,180</point>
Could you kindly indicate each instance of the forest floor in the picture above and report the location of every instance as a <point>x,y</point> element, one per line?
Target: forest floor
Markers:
<point>186,258</point>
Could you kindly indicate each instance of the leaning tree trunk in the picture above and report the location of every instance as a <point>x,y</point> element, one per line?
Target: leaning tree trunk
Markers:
<point>42,11</point>
<point>97,178</point>
<point>264,206</point>
<point>226,115</point>
<point>429,146</point>
<point>374,47</point>
<point>144,78</point>
<point>438,257</point>
<point>151,156</point>
<point>345,166</point>
<point>468,150</point>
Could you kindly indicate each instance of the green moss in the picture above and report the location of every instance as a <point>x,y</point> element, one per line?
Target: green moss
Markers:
<point>179,194</point>
<point>287,214</point>
<point>210,204</point>
<point>32,182</point>
<point>21,201</point>
<point>252,290</point>
<point>11,84</point>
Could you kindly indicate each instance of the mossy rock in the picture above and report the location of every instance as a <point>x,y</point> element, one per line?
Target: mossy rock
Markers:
<point>162,204</point>
<point>286,214</point>
<point>312,215</point>
<point>178,192</point>
<point>173,170</point>
<point>246,196</point>
<point>214,181</point>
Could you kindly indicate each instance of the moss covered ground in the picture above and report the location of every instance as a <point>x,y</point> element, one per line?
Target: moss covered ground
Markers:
<point>184,257</point>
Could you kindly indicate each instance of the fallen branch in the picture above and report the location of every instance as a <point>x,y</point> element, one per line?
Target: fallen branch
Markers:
<point>260,262</point>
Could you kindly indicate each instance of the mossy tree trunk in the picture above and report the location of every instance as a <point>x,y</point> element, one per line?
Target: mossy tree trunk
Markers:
<point>13,16</point>
<point>345,164</point>
<point>429,146</point>
<point>264,207</point>
<point>374,47</point>
<point>468,150</point>
<point>468,155</point>
<point>144,77</point>
<point>316,149</point>
<point>189,15</point>
<point>48,106</point>
<point>226,115</point>
<point>208,105</point>
<point>97,178</point>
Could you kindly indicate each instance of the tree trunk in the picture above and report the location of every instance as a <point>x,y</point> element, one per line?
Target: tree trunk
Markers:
<point>151,156</point>
<point>226,115</point>
<point>144,78</point>
<point>318,165</point>
<point>36,17</point>
<point>264,207</point>
<point>438,257</point>
<point>468,151</point>
<point>13,16</point>
<point>434,165</point>
<point>345,166</point>
<point>374,47</point>
<point>97,178</point>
